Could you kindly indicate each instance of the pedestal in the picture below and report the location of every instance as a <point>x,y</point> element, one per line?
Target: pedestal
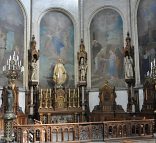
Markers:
<point>8,126</point>
<point>82,85</point>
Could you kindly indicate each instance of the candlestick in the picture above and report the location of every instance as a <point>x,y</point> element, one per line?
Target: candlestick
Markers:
<point>74,99</point>
<point>46,101</point>
<point>50,98</point>
<point>69,98</point>
<point>40,99</point>
<point>78,96</point>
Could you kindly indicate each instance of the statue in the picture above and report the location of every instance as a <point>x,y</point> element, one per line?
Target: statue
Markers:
<point>34,56</point>
<point>13,88</point>
<point>82,62</point>
<point>128,63</point>
<point>59,73</point>
<point>129,59</point>
<point>82,70</point>
<point>10,100</point>
<point>34,70</point>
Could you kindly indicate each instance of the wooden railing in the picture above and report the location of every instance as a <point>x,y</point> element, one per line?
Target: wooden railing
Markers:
<point>82,132</point>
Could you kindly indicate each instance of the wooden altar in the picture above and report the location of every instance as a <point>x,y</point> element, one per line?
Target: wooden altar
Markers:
<point>107,108</point>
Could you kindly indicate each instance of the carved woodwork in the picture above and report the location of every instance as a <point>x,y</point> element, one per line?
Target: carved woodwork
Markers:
<point>107,108</point>
<point>84,132</point>
<point>82,63</point>
<point>149,103</point>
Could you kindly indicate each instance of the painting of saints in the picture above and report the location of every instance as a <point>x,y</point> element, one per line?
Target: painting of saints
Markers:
<point>106,37</point>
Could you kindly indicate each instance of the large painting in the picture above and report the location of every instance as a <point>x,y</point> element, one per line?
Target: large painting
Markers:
<point>56,41</point>
<point>146,18</point>
<point>11,34</point>
<point>106,36</point>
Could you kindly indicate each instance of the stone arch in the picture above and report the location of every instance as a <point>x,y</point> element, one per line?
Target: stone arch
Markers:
<point>62,42</point>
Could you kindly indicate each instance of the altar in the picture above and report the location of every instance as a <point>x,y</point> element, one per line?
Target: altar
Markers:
<point>60,105</point>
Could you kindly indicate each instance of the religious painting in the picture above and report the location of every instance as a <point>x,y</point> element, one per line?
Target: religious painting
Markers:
<point>56,42</point>
<point>11,35</point>
<point>106,36</point>
<point>146,20</point>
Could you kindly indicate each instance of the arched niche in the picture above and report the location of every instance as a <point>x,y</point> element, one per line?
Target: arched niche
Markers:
<point>56,41</point>
<point>146,25</point>
<point>106,37</point>
<point>11,34</point>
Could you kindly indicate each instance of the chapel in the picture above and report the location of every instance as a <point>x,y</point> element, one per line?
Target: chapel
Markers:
<point>77,71</point>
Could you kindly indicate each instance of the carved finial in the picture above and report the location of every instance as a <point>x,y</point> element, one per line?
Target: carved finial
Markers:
<point>33,38</point>
<point>34,52</point>
<point>33,41</point>
<point>128,37</point>
<point>81,40</point>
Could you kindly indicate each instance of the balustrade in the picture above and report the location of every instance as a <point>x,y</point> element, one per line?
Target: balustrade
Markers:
<point>86,132</point>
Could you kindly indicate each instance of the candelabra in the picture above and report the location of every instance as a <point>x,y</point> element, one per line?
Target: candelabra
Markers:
<point>13,68</point>
<point>12,71</point>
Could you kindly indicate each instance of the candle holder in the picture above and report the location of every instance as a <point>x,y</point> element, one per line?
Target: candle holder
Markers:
<point>13,68</point>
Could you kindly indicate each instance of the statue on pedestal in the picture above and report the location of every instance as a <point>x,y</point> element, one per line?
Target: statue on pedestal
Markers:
<point>129,59</point>
<point>129,72</point>
<point>82,63</point>
<point>34,56</point>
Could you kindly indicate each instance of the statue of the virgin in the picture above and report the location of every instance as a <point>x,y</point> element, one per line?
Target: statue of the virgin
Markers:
<point>59,73</point>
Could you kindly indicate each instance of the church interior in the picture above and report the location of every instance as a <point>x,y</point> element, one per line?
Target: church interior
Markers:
<point>77,70</point>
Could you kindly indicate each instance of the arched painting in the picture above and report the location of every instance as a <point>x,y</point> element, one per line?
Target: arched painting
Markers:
<point>146,19</point>
<point>11,35</point>
<point>56,41</point>
<point>106,36</point>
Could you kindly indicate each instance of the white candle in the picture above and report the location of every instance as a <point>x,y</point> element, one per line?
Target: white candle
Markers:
<point>20,63</point>
<point>69,92</point>
<point>151,66</point>
<point>50,92</point>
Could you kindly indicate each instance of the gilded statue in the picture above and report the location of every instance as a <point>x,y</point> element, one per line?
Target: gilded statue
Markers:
<point>59,73</point>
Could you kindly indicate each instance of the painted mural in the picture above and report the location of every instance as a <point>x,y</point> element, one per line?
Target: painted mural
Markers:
<point>11,34</point>
<point>106,31</point>
<point>146,19</point>
<point>56,41</point>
